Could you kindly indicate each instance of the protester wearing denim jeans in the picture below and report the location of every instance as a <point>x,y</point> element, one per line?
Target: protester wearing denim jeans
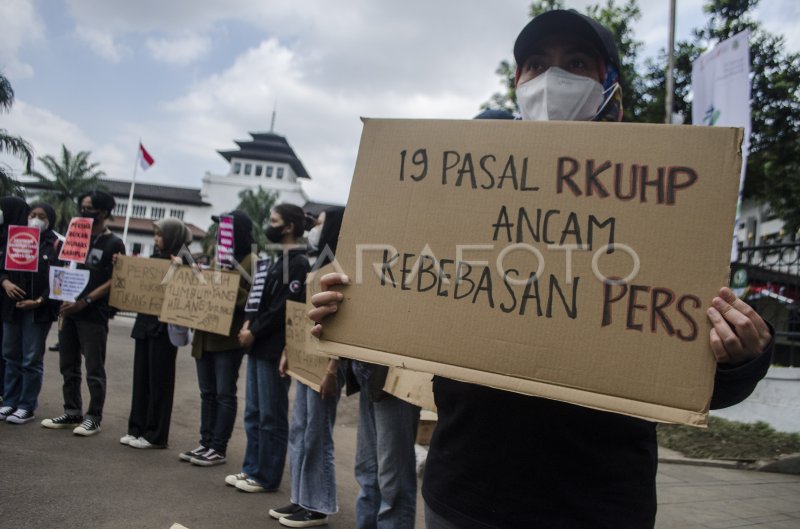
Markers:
<point>27,314</point>
<point>217,374</point>
<point>311,459</point>
<point>264,334</point>
<point>265,422</point>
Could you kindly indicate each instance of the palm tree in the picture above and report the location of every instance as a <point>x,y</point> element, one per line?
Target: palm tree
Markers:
<point>13,145</point>
<point>69,178</point>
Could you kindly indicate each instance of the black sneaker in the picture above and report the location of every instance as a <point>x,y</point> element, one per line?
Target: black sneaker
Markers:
<point>304,518</point>
<point>6,412</point>
<point>209,459</point>
<point>64,421</point>
<point>189,454</point>
<point>20,417</point>
<point>87,427</point>
<point>283,512</point>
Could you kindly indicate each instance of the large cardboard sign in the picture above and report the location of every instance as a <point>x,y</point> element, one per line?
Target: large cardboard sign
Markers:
<point>22,250</point>
<point>411,386</point>
<point>573,261</point>
<point>306,364</point>
<point>138,284</point>
<point>77,241</point>
<point>202,300</point>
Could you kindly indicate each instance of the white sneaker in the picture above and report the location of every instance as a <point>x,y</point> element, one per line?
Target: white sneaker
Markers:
<point>20,417</point>
<point>231,479</point>
<point>141,442</point>
<point>250,485</point>
<point>126,439</point>
<point>5,412</point>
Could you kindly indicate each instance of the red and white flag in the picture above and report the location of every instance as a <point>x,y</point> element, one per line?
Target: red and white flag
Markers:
<point>145,160</point>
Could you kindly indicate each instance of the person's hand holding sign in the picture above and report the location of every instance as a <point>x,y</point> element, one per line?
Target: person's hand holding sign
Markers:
<point>738,333</point>
<point>13,291</point>
<point>327,301</point>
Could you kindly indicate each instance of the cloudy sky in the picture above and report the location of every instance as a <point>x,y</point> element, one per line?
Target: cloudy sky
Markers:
<point>190,76</point>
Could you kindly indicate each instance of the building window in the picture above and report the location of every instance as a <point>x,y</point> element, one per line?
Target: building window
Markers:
<point>259,169</point>
<point>139,211</point>
<point>120,210</point>
<point>269,171</point>
<point>247,168</point>
<point>280,173</point>
<point>237,168</point>
<point>156,213</point>
<point>176,213</point>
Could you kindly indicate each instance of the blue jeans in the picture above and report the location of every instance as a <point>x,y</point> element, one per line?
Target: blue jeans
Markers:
<point>311,462</point>
<point>266,422</point>
<point>217,374</point>
<point>386,465</point>
<point>23,351</point>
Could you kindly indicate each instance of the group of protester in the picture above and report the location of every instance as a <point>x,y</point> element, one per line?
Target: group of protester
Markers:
<point>497,459</point>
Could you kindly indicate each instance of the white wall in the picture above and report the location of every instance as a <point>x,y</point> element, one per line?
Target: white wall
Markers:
<point>776,401</point>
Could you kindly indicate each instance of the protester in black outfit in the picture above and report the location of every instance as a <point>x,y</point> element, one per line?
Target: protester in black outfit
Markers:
<point>154,357</point>
<point>28,312</point>
<point>503,460</point>
<point>13,211</point>
<point>84,323</point>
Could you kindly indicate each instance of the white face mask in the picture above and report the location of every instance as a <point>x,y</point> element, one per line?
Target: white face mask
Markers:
<point>557,95</point>
<point>35,222</point>
<point>313,236</point>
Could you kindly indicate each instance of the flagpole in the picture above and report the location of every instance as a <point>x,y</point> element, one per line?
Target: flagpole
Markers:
<point>130,196</point>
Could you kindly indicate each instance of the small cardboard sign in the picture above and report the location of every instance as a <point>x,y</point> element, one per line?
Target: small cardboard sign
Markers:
<point>138,284</point>
<point>78,239</point>
<point>573,261</point>
<point>203,300</point>
<point>411,386</point>
<point>306,364</point>
<point>257,288</point>
<point>22,250</point>
<point>67,284</point>
<point>225,241</point>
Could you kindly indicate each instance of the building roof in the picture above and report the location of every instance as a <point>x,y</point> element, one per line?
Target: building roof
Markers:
<point>143,191</point>
<point>146,226</point>
<point>267,147</point>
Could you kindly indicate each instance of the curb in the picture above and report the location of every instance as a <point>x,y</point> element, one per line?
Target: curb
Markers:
<point>789,464</point>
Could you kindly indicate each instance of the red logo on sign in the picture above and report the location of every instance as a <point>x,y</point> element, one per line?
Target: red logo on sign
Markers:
<point>22,252</point>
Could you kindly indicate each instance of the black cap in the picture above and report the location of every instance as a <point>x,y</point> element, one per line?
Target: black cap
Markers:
<point>566,21</point>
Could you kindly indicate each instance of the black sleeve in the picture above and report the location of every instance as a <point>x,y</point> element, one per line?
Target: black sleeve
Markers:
<point>273,317</point>
<point>734,384</point>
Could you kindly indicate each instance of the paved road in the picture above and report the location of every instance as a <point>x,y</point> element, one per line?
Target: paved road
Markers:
<point>53,479</point>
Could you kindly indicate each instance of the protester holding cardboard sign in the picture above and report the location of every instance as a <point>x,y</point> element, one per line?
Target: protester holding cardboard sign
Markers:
<point>311,459</point>
<point>154,356</point>
<point>28,312</point>
<point>263,335</point>
<point>218,358</point>
<point>84,323</point>
<point>499,459</point>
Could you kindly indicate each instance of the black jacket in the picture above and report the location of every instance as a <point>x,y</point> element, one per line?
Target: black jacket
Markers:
<point>268,324</point>
<point>35,284</point>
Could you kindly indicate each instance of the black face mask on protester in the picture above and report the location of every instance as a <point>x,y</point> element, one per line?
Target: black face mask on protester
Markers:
<point>90,214</point>
<point>275,233</point>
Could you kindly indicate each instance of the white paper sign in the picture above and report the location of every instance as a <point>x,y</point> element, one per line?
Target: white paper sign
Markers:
<point>254,299</point>
<point>67,284</point>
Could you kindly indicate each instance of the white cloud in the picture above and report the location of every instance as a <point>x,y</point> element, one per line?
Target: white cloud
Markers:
<point>19,25</point>
<point>102,43</point>
<point>181,50</point>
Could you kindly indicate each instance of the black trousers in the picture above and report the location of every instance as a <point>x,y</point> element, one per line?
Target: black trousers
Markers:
<point>153,389</point>
<point>87,339</point>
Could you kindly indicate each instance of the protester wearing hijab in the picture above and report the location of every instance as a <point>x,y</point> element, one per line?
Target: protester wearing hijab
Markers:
<point>27,314</point>
<point>154,357</point>
<point>218,358</point>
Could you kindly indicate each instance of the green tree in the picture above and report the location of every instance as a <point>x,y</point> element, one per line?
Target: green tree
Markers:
<point>68,178</point>
<point>619,19</point>
<point>257,204</point>
<point>13,145</point>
